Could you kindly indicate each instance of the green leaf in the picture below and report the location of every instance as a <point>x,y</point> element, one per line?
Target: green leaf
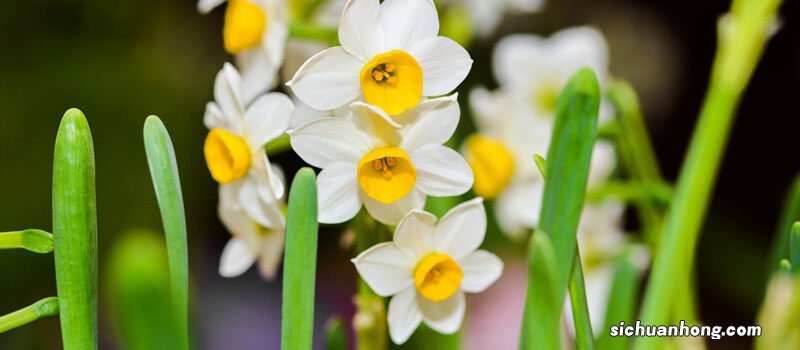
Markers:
<point>45,308</point>
<point>621,304</point>
<point>335,334</point>
<point>300,263</point>
<point>167,185</point>
<point>541,163</point>
<point>541,299</point>
<point>568,161</point>
<point>33,240</point>
<point>794,246</point>
<point>136,279</point>
<point>580,308</point>
<point>789,215</point>
<point>75,231</point>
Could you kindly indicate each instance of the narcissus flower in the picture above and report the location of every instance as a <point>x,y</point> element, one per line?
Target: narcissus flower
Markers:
<point>428,267</point>
<point>391,57</point>
<point>234,147</point>
<point>255,31</point>
<point>370,158</point>
<point>254,240</point>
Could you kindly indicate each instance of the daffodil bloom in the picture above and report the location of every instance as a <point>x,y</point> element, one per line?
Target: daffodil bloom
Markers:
<point>515,121</point>
<point>234,147</point>
<point>253,240</point>
<point>370,158</point>
<point>255,31</point>
<point>391,57</point>
<point>428,267</point>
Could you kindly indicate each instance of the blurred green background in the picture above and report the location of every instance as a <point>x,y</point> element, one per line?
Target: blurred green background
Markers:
<point>120,61</point>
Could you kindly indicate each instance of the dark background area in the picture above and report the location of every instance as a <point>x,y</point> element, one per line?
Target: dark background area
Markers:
<point>120,61</point>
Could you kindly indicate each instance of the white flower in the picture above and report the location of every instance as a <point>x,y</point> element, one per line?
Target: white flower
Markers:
<point>234,147</point>
<point>390,57</point>
<point>515,121</point>
<point>255,31</point>
<point>428,267</point>
<point>252,240</point>
<point>369,158</point>
<point>485,15</point>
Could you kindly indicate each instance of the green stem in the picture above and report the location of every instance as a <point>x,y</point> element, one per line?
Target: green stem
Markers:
<point>790,214</point>
<point>45,308</point>
<point>167,184</point>
<point>278,145</point>
<point>580,309</point>
<point>310,31</point>
<point>300,263</point>
<point>370,320</point>
<point>33,240</point>
<point>743,34</point>
<point>75,231</point>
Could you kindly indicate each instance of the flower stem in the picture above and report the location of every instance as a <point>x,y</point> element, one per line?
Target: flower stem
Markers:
<point>75,231</point>
<point>33,240</point>
<point>742,37</point>
<point>310,31</point>
<point>369,321</point>
<point>45,308</point>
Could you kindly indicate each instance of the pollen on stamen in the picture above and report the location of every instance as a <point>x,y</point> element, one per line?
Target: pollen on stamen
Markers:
<point>392,81</point>
<point>377,75</point>
<point>390,67</point>
<point>390,161</point>
<point>377,164</point>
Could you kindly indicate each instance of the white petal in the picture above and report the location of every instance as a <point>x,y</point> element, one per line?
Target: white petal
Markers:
<point>581,46</point>
<point>214,118</point>
<point>205,6</point>
<point>267,118</point>
<point>404,315</point>
<point>518,207</point>
<point>432,121</point>
<point>363,108</point>
<point>267,214</point>
<point>359,29</point>
<point>391,214</point>
<point>236,258</point>
<point>385,268</point>
<point>271,253</point>
<point>231,213</point>
<point>444,63</point>
<point>303,113</point>
<point>259,74</point>
<point>461,231</point>
<point>405,22</point>
<point>481,269</point>
<point>329,140</point>
<point>378,129</point>
<point>338,193</point>
<point>268,177</point>
<point>414,234</point>
<point>443,316</point>
<point>328,80</point>
<point>227,90</point>
<point>441,171</point>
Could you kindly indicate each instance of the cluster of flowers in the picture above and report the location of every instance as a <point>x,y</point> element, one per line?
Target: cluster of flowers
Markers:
<point>373,115</point>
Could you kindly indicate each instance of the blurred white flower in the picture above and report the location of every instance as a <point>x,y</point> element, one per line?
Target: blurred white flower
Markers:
<point>255,31</point>
<point>253,241</point>
<point>391,57</point>
<point>369,158</point>
<point>428,267</point>
<point>485,15</point>
<point>234,147</point>
<point>515,121</point>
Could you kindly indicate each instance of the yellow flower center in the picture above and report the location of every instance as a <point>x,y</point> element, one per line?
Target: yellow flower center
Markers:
<point>545,97</point>
<point>227,156</point>
<point>244,26</point>
<point>392,81</point>
<point>492,163</point>
<point>437,276</point>
<point>386,174</point>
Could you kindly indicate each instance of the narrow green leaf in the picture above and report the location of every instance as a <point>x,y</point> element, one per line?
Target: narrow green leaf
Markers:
<point>167,185</point>
<point>621,304</point>
<point>580,308</point>
<point>794,248</point>
<point>789,215</point>
<point>568,161</point>
<point>541,163</point>
<point>335,334</point>
<point>300,263</point>
<point>542,297</point>
<point>33,240</point>
<point>137,282</point>
<point>75,231</point>
<point>45,308</point>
